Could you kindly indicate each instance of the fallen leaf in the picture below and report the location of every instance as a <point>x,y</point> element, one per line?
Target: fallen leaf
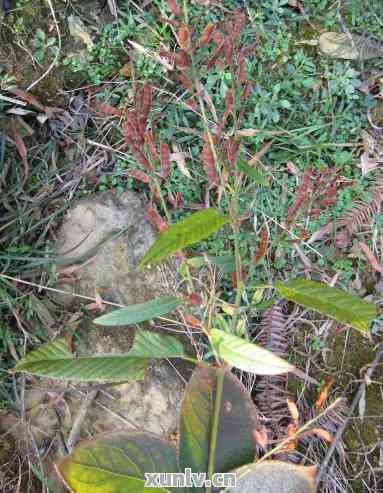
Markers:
<point>370,257</point>
<point>261,437</point>
<point>323,393</point>
<point>179,158</point>
<point>22,150</point>
<point>293,410</point>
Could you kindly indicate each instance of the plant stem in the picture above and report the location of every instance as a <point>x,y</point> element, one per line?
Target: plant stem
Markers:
<point>215,423</point>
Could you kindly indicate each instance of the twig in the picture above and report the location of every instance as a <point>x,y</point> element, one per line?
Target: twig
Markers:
<point>354,404</point>
<point>76,428</point>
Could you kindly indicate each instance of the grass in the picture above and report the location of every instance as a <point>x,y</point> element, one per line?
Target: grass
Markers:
<point>312,101</point>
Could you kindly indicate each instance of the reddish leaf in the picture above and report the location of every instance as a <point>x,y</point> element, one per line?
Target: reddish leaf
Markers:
<point>234,278</point>
<point>139,175</point>
<point>146,104</point>
<point>238,24</point>
<point>263,246</point>
<point>206,34</point>
<point>173,7</point>
<point>185,81</point>
<point>232,148</point>
<point>107,109</point>
<point>149,141</point>
<point>165,160</point>
<point>228,49</point>
<point>183,37</point>
<point>141,158</point>
<point>323,393</point>
<point>155,218</point>
<point>193,321</point>
<point>182,59</point>
<point>21,149</point>
<point>175,199</point>
<point>29,99</point>
<point>194,299</point>
<point>370,257</point>
<point>241,70</point>
<point>229,102</point>
<point>207,157</point>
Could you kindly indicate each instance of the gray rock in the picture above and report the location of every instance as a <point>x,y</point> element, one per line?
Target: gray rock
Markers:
<point>106,235</point>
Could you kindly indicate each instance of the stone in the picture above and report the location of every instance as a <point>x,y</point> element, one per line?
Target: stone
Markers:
<point>105,236</point>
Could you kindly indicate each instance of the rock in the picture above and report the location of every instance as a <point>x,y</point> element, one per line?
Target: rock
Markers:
<point>106,235</point>
<point>152,404</point>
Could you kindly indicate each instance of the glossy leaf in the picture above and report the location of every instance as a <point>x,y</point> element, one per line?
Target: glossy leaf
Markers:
<point>333,302</point>
<point>255,174</point>
<point>237,420</point>
<point>186,232</point>
<point>274,475</point>
<point>246,355</point>
<point>117,463</point>
<point>54,359</point>
<point>140,312</point>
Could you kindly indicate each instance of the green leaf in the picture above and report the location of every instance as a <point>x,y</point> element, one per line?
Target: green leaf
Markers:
<point>186,232</point>
<point>148,344</point>
<point>117,463</point>
<point>253,173</point>
<point>274,475</point>
<point>54,360</point>
<point>246,355</point>
<point>140,312</point>
<point>236,422</point>
<point>224,262</point>
<point>330,301</point>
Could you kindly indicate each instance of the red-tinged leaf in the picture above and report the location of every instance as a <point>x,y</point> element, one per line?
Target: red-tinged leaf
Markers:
<point>207,34</point>
<point>192,103</point>
<point>151,145</point>
<point>175,199</point>
<point>320,433</point>
<point>139,175</point>
<point>263,246</point>
<point>241,70</point>
<point>218,37</point>
<point>183,37</point>
<point>214,56</point>
<point>22,150</point>
<point>232,148</point>
<point>229,102</point>
<point>261,437</point>
<point>207,157</point>
<point>173,7</point>
<point>235,279</point>
<point>165,160</point>
<point>141,158</point>
<point>373,261</point>
<point>228,49</point>
<point>193,321</point>
<point>194,299</point>
<point>182,59</point>
<point>187,83</point>
<point>292,433</point>
<point>155,218</point>
<point>107,109</point>
<point>323,393</point>
<point>238,23</point>
<point>146,104</point>
<point>26,96</point>
<point>293,411</point>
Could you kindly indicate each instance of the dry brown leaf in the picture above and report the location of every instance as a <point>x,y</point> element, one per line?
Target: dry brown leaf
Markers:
<point>323,393</point>
<point>261,437</point>
<point>293,411</point>
<point>370,257</point>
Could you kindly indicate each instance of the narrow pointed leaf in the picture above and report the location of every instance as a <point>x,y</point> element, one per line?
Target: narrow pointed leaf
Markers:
<point>257,176</point>
<point>117,463</point>
<point>140,312</point>
<point>54,359</point>
<point>330,301</point>
<point>236,423</point>
<point>186,232</point>
<point>246,355</point>
<point>274,475</point>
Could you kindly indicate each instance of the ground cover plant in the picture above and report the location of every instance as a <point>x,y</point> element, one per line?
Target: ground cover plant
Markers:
<point>233,112</point>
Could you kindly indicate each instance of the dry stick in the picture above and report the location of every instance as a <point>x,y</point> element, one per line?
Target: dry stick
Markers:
<point>76,428</point>
<point>354,404</point>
